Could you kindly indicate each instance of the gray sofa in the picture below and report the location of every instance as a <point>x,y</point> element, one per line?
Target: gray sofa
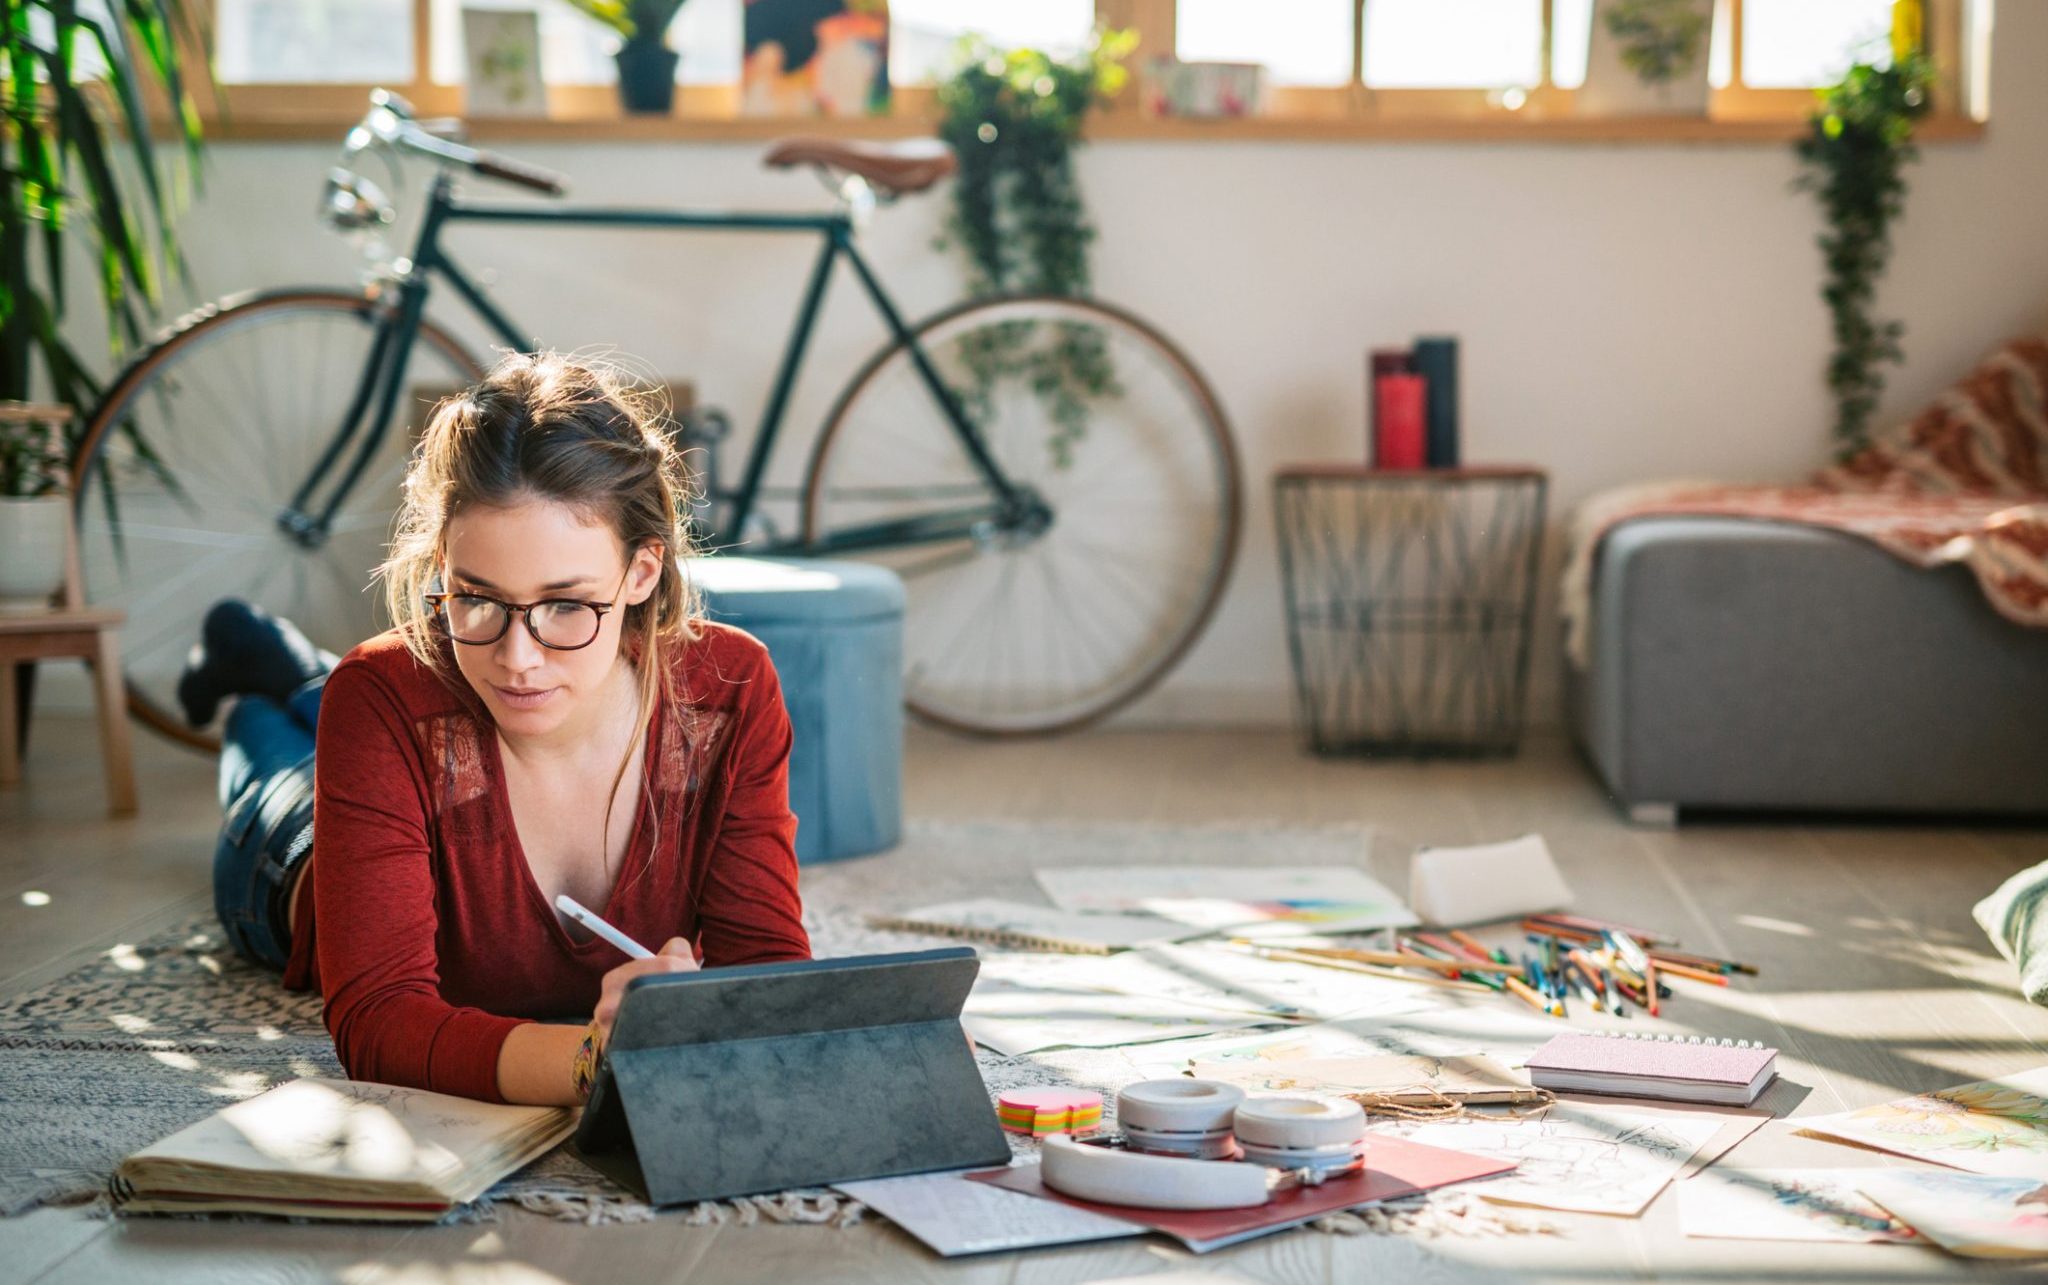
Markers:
<point>1752,665</point>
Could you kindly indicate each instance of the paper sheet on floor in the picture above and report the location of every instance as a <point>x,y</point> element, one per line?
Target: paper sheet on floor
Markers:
<point>1014,1019</point>
<point>1992,1126</point>
<point>1975,1215</point>
<point>1785,1204</point>
<point>1502,1033</point>
<point>1252,901</point>
<point>1579,1158</point>
<point>955,1216</point>
<point>1213,975</point>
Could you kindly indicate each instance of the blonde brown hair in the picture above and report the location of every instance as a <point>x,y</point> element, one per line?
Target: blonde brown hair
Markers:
<point>542,426</point>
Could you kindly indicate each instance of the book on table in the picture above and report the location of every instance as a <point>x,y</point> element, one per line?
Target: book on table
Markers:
<point>1677,1068</point>
<point>319,1148</point>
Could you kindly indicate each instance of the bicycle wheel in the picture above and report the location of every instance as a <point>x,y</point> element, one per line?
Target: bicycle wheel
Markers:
<point>200,445</point>
<point>1034,626</point>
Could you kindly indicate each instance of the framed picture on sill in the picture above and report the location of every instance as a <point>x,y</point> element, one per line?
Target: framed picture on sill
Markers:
<point>501,53</point>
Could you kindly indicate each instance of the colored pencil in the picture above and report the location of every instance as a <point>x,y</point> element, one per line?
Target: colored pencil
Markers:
<point>1473,946</point>
<point>1390,958</point>
<point>1586,923</point>
<point>1696,974</point>
<point>1527,996</point>
<point>1347,966</point>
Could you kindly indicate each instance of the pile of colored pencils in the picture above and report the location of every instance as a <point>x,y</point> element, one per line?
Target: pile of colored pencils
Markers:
<point>1604,965</point>
<point>1609,966</point>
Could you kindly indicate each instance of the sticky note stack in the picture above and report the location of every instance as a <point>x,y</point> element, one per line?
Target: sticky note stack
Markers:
<point>1040,1112</point>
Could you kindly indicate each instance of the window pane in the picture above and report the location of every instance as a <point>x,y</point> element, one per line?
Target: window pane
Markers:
<point>350,42</point>
<point>1301,42</point>
<point>1795,44</point>
<point>575,50</point>
<point>1445,44</point>
<point>922,33</point>
<point>1571,39</point>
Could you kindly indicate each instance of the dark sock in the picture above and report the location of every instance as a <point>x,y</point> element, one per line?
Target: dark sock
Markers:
<point>244,649</point>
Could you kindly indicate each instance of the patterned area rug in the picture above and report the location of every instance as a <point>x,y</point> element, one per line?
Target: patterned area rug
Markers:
<point>153,1036</point>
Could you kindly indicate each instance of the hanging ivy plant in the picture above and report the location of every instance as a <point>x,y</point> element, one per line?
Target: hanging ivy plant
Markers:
<point>1855,153</point>
<point>1012,118</point>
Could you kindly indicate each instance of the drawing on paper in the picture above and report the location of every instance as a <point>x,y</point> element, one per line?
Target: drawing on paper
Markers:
<point>1584,1159</point>
<point>1785,1204</point>
<point>1991,1126</point>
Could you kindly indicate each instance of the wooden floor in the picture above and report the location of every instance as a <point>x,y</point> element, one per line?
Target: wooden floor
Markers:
<point>1875,981</point>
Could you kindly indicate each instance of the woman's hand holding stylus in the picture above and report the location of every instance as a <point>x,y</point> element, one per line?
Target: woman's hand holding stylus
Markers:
<point>675,956</point>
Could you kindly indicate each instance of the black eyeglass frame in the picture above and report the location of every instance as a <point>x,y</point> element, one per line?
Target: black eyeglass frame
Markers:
<point>439,603</point>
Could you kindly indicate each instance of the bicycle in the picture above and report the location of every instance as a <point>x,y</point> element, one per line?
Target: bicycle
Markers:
<point>1054,574</point>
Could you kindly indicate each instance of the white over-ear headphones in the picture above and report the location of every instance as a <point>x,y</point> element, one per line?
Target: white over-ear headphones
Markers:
<point>1180,1136</point>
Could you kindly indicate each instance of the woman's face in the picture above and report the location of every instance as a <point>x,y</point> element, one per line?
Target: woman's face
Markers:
<point>528,552</point>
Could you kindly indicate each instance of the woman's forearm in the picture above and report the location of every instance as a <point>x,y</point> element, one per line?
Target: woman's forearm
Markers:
<point>533,1064</point>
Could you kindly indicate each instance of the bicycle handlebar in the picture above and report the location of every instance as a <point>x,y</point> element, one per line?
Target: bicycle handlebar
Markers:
<point>398,126</point>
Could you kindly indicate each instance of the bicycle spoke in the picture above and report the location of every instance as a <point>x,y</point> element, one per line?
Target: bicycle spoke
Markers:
<point>239,409</point>
<point>1144,518</point>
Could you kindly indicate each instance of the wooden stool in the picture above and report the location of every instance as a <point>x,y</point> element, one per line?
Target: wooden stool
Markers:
<point>69,630</point>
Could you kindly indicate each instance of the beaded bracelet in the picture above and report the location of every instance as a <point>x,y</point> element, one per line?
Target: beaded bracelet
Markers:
<point>583,1070</point>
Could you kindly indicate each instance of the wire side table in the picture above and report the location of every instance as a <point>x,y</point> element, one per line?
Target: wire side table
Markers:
<point>1410,597</point>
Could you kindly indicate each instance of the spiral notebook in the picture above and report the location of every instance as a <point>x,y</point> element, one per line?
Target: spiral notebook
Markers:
<point>1679,1068</point>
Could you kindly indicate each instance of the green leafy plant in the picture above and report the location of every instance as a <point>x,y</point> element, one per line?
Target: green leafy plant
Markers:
<point>1855,151</point>
<point>73,82</point>
<point>636,21</point>
<point>1660,39</point>
<point>1012,118</point>
<point>32,459</point>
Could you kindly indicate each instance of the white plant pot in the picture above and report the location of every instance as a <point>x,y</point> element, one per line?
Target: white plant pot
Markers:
<point>31,550</point>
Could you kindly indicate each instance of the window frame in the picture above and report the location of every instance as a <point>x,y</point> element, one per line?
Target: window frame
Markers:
<point>1736,112</point>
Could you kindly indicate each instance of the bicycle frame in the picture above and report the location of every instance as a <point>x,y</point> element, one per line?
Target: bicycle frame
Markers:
<point>398,330</point>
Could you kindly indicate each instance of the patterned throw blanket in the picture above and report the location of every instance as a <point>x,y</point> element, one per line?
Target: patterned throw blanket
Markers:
<point>1965,481</point>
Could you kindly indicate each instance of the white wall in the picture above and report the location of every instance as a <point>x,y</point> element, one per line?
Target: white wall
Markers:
<point>1626,311</point>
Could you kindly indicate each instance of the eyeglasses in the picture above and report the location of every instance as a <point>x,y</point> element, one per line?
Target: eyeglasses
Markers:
<point>559,624</point>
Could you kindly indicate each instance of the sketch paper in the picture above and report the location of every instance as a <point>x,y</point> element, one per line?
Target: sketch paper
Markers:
<point>1974,1215</point>
<point>1215,975</point>
<point>1435,1031</point>
<point>1585,1159</point>
<point>1274,901</point>
<point>955,1216</point>
<point>1786,1204</point>
<point>1384,1077</point>
<point>1992,1126</point>
<point>1018,1006</point>
<point>1029,927</point>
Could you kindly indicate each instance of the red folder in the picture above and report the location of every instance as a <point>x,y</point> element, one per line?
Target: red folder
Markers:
<point>1401,417</point>
<point>1394,1167</point>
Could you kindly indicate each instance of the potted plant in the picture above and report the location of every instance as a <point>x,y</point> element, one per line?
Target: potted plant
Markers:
<point>79,159</point>
<point>33,508</point>
<point>647,66</point>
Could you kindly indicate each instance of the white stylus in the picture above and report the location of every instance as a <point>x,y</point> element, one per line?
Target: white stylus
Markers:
<point>574,909</point>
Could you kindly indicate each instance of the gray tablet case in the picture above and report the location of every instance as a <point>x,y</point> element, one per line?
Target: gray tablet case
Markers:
<point>732,1081</point>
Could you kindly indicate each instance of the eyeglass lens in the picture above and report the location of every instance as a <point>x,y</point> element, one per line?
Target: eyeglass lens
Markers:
<point>555,624</point>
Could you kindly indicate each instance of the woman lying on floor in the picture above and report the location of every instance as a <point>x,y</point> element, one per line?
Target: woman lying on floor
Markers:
<point>548,716</point>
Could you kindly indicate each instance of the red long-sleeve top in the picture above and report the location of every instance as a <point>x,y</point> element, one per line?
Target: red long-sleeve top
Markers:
<point>427,936</point>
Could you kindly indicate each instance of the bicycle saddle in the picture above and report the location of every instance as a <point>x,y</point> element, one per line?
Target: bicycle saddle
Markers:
<point>894,169</point>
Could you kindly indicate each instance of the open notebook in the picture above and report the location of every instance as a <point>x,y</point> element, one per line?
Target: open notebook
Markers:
<point>339,1149</point>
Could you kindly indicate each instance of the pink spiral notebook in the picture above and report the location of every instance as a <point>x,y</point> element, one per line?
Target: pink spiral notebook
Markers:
<point>1681,1068</point>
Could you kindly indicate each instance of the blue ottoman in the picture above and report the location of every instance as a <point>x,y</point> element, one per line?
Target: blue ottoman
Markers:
<point>835,633</point>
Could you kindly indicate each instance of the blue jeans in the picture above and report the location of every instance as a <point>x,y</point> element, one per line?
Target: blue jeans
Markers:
<point>266,790</point>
